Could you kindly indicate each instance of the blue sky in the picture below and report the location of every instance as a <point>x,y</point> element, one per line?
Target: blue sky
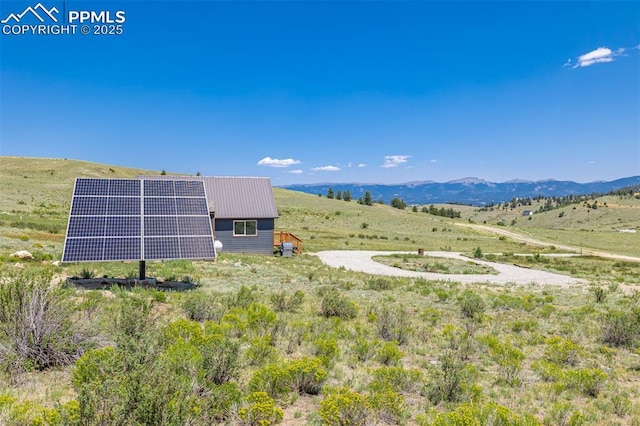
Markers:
<point>333,91</point>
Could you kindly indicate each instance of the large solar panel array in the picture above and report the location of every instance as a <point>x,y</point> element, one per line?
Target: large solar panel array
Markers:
<point>138,219</point>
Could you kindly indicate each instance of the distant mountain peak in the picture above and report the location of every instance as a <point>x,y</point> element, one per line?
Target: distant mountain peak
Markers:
<point>469,190</point>
<point>518,181</point>
<point>469,180</point>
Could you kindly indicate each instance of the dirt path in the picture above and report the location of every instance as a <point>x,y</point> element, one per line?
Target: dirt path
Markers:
<point>533,241</point>
<point>361,261</point>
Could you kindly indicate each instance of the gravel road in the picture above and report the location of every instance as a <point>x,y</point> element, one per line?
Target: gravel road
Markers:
<point>360,261</point>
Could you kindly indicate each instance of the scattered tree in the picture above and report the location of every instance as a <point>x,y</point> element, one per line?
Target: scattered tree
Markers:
<point>398,203</point>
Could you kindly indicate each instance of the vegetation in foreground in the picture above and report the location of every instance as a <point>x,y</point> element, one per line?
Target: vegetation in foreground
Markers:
<point>270,339</point>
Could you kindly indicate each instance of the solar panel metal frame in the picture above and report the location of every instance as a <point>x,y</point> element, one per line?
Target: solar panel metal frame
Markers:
<point>111,219</point>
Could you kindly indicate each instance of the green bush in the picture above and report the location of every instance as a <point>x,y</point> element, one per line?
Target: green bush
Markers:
<point>274,379</point>
<point>220,358</point>
<point>343,406</point>
<point>398,378</point>
<point>393,324</point>
<point>620,328</point>
<point>588,381</point>
<point>242,299</point>
<point>599,294</point>
<point>260,410</point>
<point>334,304</point>
<point>307,375</point>
<point>285,302</point>
<point>563,351</point>
<point>471,305</point>
<point>261,350</point>
<point>326,349</point>
<point>177,377</point>
<point>304,375</point>
<point>508,357</point>
<point>388,404</point>
<point>388,353</point>
<point>201,307</point>
<point>453,380</point>
<point>563,414</point>
<point>548,371</point>
<point>30,413</point>
<point>364,349</point>
<point>477,414</point>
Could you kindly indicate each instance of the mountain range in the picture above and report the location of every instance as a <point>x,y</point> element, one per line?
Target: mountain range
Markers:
<point>472,191</point>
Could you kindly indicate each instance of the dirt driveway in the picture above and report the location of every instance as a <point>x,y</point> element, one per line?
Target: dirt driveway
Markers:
<point>360,261</point>
<point>529,240</point>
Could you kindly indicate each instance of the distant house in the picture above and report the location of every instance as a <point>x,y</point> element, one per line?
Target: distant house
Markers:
<point>242,210</point>
<point>527,213</point>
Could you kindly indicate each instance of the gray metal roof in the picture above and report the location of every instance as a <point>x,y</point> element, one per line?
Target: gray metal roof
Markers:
<point>235,197</point>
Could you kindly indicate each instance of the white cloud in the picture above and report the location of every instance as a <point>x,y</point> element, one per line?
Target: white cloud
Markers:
<point>433,161</point>
<point>326,169</point>
<point>592,162</point>
<point>274,162</point>
<point>361,165</point>
<point>294,172</point>
<point>394,160</point>
<point>601,55</point>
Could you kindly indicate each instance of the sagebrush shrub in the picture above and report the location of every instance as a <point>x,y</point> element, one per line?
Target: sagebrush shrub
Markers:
<point>334,304</point>
<point>453,380</point>
<point>393,324</point>
<point>471,305</point>
<point>37,330</point>
<point>201,307</point>
<point>620,328</point>
<point>285,302</point>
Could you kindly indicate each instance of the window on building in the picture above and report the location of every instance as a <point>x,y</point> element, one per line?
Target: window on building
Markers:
<point>245,227</point>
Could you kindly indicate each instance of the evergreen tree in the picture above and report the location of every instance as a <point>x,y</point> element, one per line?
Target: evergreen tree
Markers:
<point>367,200</point>
<point>398,203</point>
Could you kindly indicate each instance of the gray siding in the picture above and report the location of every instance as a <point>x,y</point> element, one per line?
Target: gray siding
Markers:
<point>260,244</point>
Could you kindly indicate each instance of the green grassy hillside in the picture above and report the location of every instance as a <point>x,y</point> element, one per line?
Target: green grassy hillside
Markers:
<point>578,224</point>
<point>36,193</point>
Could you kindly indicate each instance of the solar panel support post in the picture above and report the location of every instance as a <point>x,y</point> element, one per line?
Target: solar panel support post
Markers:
<point>142,270</point>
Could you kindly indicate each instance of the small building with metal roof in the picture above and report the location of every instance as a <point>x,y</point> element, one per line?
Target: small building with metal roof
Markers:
<point>242,209</point>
